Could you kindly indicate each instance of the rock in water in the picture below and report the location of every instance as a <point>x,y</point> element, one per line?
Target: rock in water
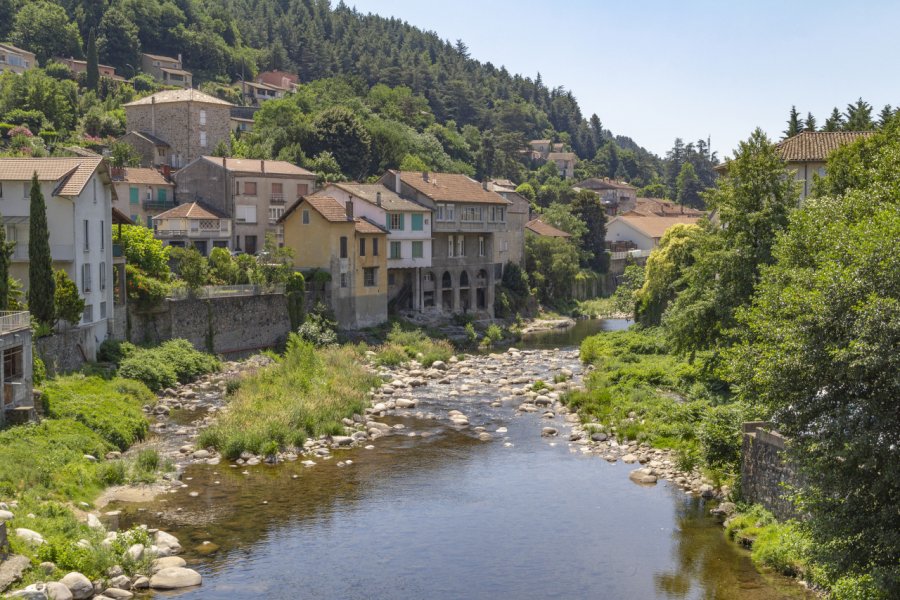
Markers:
<point>173,578</point>
<point>549,432</point>
<point>80,586</point>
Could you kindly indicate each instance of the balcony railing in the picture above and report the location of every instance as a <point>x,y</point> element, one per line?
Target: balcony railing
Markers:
<point>158,204</point>
<point>14,320</point>
<point>629,253</point>
<point>277,199</point>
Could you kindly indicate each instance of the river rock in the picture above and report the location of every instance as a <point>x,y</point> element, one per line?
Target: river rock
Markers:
<point>173,578</point>
<point>549,432</point>
<point>135,552</point>
<point>599,436</point>
<point>117,594</point>
<point>543,401</point>
<point>80,586</point>
<point>341,440</point>
<point>5,515</point>
<point>29,536</point>
<point>405,403</point>
<point>707,491</point>
<point>167,562</point>
<point>140,583</point>
<point>201,454</point>
<point>439,365</point>
<point>644,476</point>
<point>29,594</point>
<point>58,591</point>
<point>725,509</point>
<point>629,459</point>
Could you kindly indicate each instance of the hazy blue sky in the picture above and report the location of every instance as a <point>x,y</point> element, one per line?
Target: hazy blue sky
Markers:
<point>657,70</point>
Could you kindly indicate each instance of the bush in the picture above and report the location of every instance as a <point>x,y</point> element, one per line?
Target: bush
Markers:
<point>318,330</point>
<point>163,366</point>
<point>68,303</point>
<point>403,345</point>
<point>150,368</point>
<point>114,351</point>
<point>721,438</point>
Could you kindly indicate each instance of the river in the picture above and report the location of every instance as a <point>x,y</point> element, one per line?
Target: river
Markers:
<point>433,512</point>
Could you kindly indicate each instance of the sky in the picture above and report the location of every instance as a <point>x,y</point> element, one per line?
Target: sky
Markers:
<point>655,70</point>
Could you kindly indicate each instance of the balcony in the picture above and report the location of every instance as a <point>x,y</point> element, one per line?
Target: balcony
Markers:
<point>276,199</point>
<point>14,320</point>
<point>472,226</point>
<point>59,252</point>
<point>158,204</point>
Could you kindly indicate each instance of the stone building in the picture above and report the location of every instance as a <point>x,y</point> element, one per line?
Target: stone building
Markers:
<point>16,367</point>
<point>80,66</point>
<point>154,152</point>
<point>468,223</point>
<point>190,122</point>
<point>565,163</point>
<point>142,193</point>
<point>324,234</point>
<point>166,70</point>
<point>252,192</point>
<point>617,197</point>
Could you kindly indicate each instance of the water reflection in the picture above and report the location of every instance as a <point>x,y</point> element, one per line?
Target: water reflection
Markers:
<point>573,336</point>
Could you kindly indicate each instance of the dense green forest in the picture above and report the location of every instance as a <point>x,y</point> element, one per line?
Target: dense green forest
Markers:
<point>222,41</point>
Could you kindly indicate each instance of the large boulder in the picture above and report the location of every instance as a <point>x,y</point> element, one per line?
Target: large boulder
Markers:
<point>58,591</point>
<point>173,578</point>
<point>29,536</point>
<point>29,593</point>
<point>167,542</point>
<point>5,515</point>
<point>80,586</point>
<point>168,562</point>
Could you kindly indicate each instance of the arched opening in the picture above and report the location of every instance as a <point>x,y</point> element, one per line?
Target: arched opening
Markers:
<point>464,298</point>
<point>428,291</point>
<point>481,290</point>
<point>446,291</point>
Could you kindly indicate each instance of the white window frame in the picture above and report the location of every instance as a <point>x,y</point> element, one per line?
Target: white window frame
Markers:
<point>203,139</point>
<point>451,246</point>
<point>481,245</point>
<point>86,278</point>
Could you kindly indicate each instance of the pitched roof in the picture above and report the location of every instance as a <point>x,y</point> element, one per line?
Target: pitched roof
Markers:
<point>653,226</point>
<point>815,146</point>
<point>70,174</point>
<point>365,225</point>
<point>532,142</point>
<point>161,57</point>
<point>562,156</point>
<point>328,207</point>
<point>662,208</point>
<point>369,192</point>
<point>143,177</point>
<point>174,71</point>
<point>188,95</point>
<point>191,210</point>
<point>12,48</point>
<point>545,229</point>
<point>595,183</point>
<point>150,138</point>
<point>450,187</point>
<point>258,167</point>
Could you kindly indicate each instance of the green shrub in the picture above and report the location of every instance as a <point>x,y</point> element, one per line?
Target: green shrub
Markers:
<point>403,345</point>
<point>318,330</point>
<point>163,366</point>
<point>148,459</point>
<point>494,333</point>
<point>114,351</point>
<point>857,587</point>
<point>471,334</point>
<point>150,369</point>
<point>720,437</point>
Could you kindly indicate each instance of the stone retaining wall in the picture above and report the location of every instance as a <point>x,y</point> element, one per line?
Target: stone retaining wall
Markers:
<point>231,326</point>
<point>766,477</point>
<point>67,350</point>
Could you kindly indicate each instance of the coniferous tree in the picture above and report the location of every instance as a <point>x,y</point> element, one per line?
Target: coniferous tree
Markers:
<point>795,123</point>
<point>688,187</point>
<point>41,287</point>
<point>93,63</point>
<point>6,251</point>
<point>885,115</point>
<point>810,124</point>
<point>859,116</point>
<point>835,122</point>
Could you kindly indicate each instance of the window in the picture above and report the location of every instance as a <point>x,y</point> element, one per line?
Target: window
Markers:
<point>445,212</point>
<point>480,246</point>
<point>396,222</point>
<point>395,250</point>
<point>12,363</point>
<point>275,213</point>
<point>498,214</point>
<point>103,310</point>
<point>87,235</point>
<point>86,278</point>
<point>417,222</point>
<point>203,139</point>
<point>245,213</point>
<point>1,189</point>
<point>451,246</point>
<point>472,213</point>
<point>417,250</point>
<point>374,246</point>
<point>305,217</point>
<point>343,280</point>
<point>102,236</point>
<point>370,276</point>
<point>391,279</point>
<point>250,188</point>
<point>460,245</point>
<point>133,195</point>
<point>250,244</point>
<point>202,118</point>
<point>88,315</point>
<point>161,195</point>
<point>362,246</point>
<point>237,187</point>
<point>343,246</point>
<point>302,189</point>
<point>103,276</point>
<point>277,189</point>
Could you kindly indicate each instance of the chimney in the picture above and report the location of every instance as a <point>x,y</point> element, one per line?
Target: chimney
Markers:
<point>262,166</point>
<point>349,206</point>
<point>153,114</point>
<point>179,60</point>
<point>425,176</point>
<point>378,199</point>
<point>484,186</point>
<point>397,182</point>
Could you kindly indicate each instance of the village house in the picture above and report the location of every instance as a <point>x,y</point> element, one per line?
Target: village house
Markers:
<point>543,148</point>
<point>641,232</point>
<point>541,229</point>
<point>510,246</point>
<point>807,153</point>
<point>616,196</point>
<point>15,59</point>
<point>78,193</point>
<point>142,193</point>
<point>409,236</point>
<point>242,119</point>
<point>257,93</point>
<point>324,234</point>
<point>16,403</point>
<point>253,192</point>
<point>280,79</point>
<point>471,237</point>
<point>190,122</point>
<point>154,152</point>
<point>193,225</point>
<point>565,163</point>
<point>166,70</point>
<point>80,66</point>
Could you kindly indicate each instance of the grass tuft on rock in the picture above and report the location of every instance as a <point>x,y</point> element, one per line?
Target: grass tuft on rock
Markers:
<point>306,394</point>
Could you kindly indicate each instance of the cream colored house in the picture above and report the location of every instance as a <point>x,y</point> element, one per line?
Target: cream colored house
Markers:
<point>15,59</point>
<point>193,225</point>
<point>253,192</point>
<point>324,234</point>
<point>807,153</point>
<point>642,230</point>
<point>142,193</point>
<point>166,70</point>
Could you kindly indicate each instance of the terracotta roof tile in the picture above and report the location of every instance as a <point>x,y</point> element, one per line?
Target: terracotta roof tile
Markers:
<point>259,167</point>
<point>366,226</point>
<point>192,210</point>
<point>188,95</point>
<point>328,207</point>
<point>815,146</point>
<point>161,57</point>
<point>662,208</point>
<point>143,177</point>
<point>595,183</point>
<point>562,156</point>
<point>451,187</point>
<point>653,226</point>
<point>369,192</point>
<point>545,229</point>
<point>70,174</point>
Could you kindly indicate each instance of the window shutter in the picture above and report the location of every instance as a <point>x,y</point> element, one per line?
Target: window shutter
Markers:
<point>402,219</point>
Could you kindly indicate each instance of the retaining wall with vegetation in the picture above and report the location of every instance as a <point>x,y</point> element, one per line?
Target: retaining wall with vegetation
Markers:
<point>766,476</point>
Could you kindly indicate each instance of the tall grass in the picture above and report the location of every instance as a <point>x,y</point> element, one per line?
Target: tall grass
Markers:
<point>403,345</point>
<point>306,394</point>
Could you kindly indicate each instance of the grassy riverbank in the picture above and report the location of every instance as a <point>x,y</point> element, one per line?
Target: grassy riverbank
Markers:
<point>641,391</point>
<point>306,394</point>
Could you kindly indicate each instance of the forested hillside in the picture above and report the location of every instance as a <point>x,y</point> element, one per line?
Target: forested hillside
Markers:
<point>223,40</point>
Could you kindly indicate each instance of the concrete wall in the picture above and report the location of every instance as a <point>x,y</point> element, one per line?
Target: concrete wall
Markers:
<point>766,477</point>
<point>227,326</point>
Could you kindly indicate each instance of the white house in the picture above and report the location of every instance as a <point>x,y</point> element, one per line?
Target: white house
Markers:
<point>408,240</point>
<point>78,193</point>
<point>641,231</point>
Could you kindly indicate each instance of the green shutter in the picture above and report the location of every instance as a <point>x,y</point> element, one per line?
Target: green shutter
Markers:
<point>402,225</point>
<point>161,195</point>
<point>133,195</point>
<point>387,217</point>
<point>417,222</point>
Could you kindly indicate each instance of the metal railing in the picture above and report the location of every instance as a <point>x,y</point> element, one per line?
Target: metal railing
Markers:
<point>14,320</point>
<point>158,204</point>
<point>276,199</point>
<point>226,291</point>
<point>629,253</point>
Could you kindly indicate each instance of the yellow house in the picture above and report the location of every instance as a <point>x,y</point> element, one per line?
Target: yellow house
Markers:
<point>325,235</point>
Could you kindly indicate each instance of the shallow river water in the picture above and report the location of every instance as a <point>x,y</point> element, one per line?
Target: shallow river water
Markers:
<point>443,515</point>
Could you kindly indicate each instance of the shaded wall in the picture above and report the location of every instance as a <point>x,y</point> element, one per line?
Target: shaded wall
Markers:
<point>767,478</point>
